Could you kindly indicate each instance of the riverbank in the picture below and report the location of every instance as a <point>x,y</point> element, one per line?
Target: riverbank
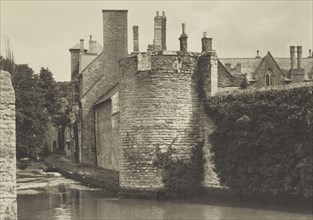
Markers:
<point>108,180</point>
<point>50,195</point>
<point>93,176</point>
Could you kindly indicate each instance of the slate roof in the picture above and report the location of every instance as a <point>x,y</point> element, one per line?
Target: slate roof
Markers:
<point>284,64</point>
<point>249,65</point>
<point>108,94</point>
<point>75,47</point>
<point>225,79</point>
<point>99,48</point>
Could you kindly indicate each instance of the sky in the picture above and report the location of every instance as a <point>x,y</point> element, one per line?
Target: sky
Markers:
<point>41,32</point>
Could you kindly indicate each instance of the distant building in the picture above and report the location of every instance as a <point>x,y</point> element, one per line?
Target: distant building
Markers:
<point>127,107</point>
<point>270,71</point>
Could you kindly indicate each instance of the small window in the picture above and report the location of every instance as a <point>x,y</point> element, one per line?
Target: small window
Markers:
<point>269,80</point>
<point>76,89</point>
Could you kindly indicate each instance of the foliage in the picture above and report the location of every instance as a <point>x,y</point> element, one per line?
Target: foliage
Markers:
<point>60,119</point>
<point>31,117</point>
<point>263,142</point>
<point>49,91</point>
<point>62,88</point>
<point>182,177</point>
<point>36,102</point>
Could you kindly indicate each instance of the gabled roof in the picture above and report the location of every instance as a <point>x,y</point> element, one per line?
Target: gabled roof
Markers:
<point>108,94</point>
<point>267,59</point>
<point>225,79</point>
<point>99,48</point>
<point>248,65</point>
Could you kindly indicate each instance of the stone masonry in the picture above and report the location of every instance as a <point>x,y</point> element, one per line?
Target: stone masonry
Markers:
<point>7,148</point>
<point>134,106</point>
<point>101,76</point>
<point>160,109</point>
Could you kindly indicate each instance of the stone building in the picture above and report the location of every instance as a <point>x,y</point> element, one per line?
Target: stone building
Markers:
<point>127,107</point>
<point>270,71</point>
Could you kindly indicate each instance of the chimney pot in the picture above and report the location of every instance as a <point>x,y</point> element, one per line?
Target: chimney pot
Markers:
<point>292,57</point>
<point>136,38</point>
<point>206,43</point>
<point>310,53</point>
<point>257,54</point>
<point>92,46</point>
<point>183,28</point>
<point>183,38</point>
<point>299,57</point>
<point>228,66</point>
<point>82,46</point>
<point>163,13</point>
<point>157,13</point>
<point>204,34</point>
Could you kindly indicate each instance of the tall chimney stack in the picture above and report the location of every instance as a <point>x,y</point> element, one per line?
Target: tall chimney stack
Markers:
<point>206,43</point>
<point>92,46</point>
<point>135,38</point>
<point>114,38</point>
<point>183,39</point>
<point>159,41</point>
<point>81,44</point>
<point>293,57</point>
<point>299,57</point>
<point>310,54</point>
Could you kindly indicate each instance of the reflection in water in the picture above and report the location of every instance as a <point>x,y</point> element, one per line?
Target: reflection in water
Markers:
<point>59,198</point>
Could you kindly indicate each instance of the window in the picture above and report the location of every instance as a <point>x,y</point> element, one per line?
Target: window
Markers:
<point>269,80</point>
<point>76,89</point>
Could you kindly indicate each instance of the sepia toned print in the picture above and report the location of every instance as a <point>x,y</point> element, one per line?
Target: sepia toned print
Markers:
<point>156,110</point>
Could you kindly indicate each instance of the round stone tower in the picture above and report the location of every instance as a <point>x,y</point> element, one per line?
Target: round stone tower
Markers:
<point>158,114</point>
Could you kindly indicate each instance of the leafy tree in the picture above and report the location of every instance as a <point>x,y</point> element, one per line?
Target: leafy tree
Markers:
<point>49,91</point>
<point>62,88</point>
<point>37,102</point>
<point>31,116</point>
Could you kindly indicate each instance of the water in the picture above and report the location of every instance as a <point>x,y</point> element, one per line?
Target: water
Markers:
<point>51,196</point>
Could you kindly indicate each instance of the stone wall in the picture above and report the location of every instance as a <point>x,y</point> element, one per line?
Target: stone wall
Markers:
<point>101,76</point>
<point>159,108</point>
<point>107,133</point>
<point>51,139</point>
<point>97,79</point>
<point>7,148</point>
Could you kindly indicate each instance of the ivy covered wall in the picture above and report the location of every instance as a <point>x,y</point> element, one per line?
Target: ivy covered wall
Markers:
<point>263,141</point>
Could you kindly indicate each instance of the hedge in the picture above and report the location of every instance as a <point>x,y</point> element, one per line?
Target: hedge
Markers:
<point>263,142</point>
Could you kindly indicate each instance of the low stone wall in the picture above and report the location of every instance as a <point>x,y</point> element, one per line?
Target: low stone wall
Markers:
<point>88,174</point>
<point>8,205</point>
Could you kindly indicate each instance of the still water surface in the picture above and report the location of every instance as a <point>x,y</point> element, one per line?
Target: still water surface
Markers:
<point>51,196</point>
